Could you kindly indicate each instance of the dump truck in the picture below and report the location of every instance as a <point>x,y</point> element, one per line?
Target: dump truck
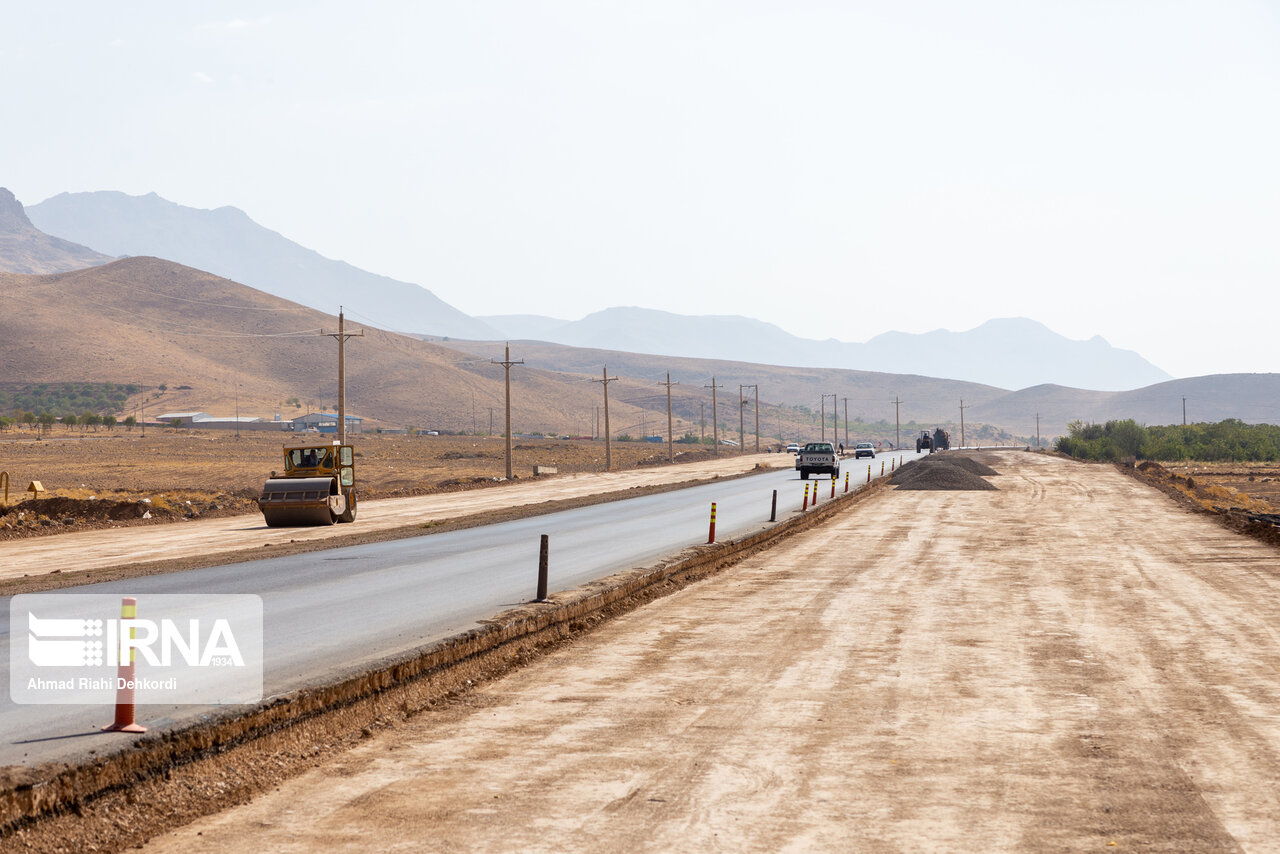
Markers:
<point>317,486</point>
<point>924,442</point>
<point>941,440</point>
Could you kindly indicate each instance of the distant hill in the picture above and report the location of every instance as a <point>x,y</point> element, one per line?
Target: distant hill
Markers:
<point>227,243</point>
<point>26,249</point>
<point>1007,353</point>
<point>154,322</point>
<point>1254,398</point>
<point>929,400</point>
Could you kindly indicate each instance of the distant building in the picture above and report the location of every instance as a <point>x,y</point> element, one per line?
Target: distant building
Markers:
<point>205,421</point>
<point>326,422</point>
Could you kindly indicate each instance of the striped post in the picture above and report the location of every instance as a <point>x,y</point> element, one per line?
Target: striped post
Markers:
<point>882,468</point>
<point>833,486</point>
<point>891,463</point>
<point>846,481</point>
<point>125,677</point>
<point>868,474</point>
<point>805,506</point>
<point>711,534</point>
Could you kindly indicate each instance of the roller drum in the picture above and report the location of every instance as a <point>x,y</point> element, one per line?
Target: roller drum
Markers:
<point>295,502</point>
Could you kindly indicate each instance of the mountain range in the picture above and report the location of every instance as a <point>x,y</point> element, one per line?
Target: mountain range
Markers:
<point>210,343</point>
<point>227,243</point>
<point>1007,353</point>
<point>1010,353</point>
<point>26,249</point>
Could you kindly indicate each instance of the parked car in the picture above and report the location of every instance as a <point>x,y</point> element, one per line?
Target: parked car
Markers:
<point>864,449</point>
<point>793,448</point>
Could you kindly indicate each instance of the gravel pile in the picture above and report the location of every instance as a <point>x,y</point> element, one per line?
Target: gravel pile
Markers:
<point>943,472</point>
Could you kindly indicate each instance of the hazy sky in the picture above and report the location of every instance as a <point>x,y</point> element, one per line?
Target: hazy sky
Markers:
<point>1105,167</point>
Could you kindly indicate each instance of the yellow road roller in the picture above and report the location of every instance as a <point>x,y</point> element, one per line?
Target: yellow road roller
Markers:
<point>317,486</point>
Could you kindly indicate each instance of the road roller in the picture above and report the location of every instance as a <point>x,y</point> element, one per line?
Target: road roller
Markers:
<point>317,486</point>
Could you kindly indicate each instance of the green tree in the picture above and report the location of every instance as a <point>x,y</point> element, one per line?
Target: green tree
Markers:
<point>109,421</point>
<point>130,422</point>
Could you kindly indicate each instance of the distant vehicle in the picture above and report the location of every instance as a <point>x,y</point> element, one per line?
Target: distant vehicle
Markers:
<point>793,448</point>
<point>941,440</point>
<point>729,442</point>
<point>864,449</point>
<point>924,442</point>
<point>818,457</point>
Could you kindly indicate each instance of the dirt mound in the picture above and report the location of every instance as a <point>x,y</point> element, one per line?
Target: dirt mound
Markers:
<point>59,513</point>
<point>949,472</point>
<point>969,464</point>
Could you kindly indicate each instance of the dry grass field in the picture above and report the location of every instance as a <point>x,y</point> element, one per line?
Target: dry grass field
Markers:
<point>103,478</point>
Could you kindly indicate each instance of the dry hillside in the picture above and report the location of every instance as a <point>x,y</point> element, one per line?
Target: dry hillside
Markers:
<point>153,322</point>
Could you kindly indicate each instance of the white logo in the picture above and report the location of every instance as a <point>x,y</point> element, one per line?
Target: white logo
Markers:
<point>199,649</point>
<point>126,635</point>
<point>45,652</point>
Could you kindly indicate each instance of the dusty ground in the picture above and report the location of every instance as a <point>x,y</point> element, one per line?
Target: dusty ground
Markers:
<point>211,474</point>
<point>1070,662</point>
<point>1242,484</point>
<point>109,552</point>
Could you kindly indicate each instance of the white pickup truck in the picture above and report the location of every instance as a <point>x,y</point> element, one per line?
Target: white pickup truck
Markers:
<point>818,458</point>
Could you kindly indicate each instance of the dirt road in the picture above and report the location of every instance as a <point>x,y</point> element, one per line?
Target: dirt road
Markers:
<point>1069,663</point>
<point>187,540</point>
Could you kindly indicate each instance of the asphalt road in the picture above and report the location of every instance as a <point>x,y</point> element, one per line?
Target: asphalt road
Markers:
<point>328,612</point>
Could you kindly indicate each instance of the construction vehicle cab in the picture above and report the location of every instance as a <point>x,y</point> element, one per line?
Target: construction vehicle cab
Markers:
<point>316,488</point>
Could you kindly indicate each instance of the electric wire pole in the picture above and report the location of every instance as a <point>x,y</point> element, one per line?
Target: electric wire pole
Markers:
<point>757,393</point>
<point>846,422</point>
<point>962,409</point>
<point>342,335</point>
<point>742,436</point>
<point>671,452</point>
<point>506,364</point>
<point>897,423</point>
<point>1037,430</point>
<point>604,380</point>
<point>834,415</point>
<point>715,420</point>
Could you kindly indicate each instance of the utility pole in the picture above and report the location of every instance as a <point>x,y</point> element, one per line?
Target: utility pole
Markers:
<point>1037,430</point>
<point>715,418</point>
<point>962,409</point>
<point>342,335</point>
<point>144,408</point>
<point>742,403</point>
<point>834,417</point>
<point>742,436</point>
<point>846,422</point>
<point>702,421</point>
<point>237,410</point>
<point>757,387</point>
<point>1184,410</point>
<point>671,453</point>
<point>604,380</point>
<point>897,423</point>
<point>490,433</point>
<point>506,364</point>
